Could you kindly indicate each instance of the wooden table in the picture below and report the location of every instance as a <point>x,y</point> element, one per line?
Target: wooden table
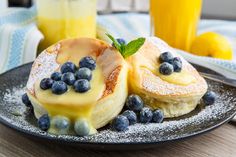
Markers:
<point>218,143</point>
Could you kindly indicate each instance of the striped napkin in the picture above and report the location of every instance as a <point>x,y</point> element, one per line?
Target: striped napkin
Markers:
<point>19,37</point>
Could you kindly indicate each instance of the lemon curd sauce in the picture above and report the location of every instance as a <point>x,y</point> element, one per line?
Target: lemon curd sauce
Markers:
<point>150,63</point>
<point>72,104</point>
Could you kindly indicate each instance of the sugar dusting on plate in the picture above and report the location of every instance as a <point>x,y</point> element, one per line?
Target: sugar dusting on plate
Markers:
<point>201,119</point>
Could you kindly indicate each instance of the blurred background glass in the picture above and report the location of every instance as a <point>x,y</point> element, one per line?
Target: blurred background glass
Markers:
<point>62,19</point>
<point>178,24</point>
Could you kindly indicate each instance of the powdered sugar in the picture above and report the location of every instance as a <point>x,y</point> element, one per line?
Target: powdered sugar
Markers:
<point>203,118</point>
<point>45,62</point>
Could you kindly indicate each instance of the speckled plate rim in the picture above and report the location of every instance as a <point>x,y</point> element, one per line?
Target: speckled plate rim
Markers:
<point>84,143</point>
<point>61,140</point>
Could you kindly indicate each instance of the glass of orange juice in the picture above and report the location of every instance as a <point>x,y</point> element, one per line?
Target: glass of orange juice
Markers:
<point>60,19</point>
<point>175,21</point>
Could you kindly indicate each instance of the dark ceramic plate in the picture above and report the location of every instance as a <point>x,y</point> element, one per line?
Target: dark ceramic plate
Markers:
<point>204,118</point>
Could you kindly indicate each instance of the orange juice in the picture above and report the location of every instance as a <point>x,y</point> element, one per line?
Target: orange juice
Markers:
<point>60,19</point>
<point>175,21</point>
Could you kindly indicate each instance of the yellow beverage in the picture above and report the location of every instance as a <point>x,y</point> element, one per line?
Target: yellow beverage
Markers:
<point>60,19</point>
<point>175,21</point>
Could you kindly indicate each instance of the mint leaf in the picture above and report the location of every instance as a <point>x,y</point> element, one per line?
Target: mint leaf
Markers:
<point>129,49</point>
<point>122,47</point>
<point>115,42</point>
<point>133,46</point>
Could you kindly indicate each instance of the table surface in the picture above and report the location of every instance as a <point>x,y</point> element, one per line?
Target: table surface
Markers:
<point>218,143</point>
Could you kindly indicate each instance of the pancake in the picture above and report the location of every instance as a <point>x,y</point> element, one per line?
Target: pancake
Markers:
<point>176,94</point>
<point>108,86</point>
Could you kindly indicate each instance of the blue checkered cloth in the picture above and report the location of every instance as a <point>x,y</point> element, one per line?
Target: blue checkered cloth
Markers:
<point>19,37</point>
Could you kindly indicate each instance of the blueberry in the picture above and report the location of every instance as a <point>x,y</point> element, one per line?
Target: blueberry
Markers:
<point>59,87</point>
<point>177,59</point>
<point>166,68</point>
<point>84,73</point>
<point>81,127</point>
<point>158,116</point>
<point>120,41</point>
<point>61,124</point>
<point>166,57</point>
<point>209,98</point>
<point>131,116</point>
<point>44,122</point>
<point>68,78</point>
<point>120,123</point>
<point>134,103</point>
<point>56,76</point>
<point>145,115</point>
<point>87,62</point>
<point>25,100</point>
<point>177,66</point>
<point>68,67</point>
<point>46,83</point>
<point>82,86</point>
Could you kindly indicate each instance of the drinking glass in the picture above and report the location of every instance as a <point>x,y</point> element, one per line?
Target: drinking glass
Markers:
<point>60,19</point>
<point>175,21</point>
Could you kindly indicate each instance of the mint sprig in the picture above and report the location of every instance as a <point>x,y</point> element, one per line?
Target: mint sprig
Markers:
<point>127,50</point>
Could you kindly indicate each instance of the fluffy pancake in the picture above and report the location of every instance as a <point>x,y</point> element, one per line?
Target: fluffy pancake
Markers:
<point>113,69</point>
<point>176,94</point>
